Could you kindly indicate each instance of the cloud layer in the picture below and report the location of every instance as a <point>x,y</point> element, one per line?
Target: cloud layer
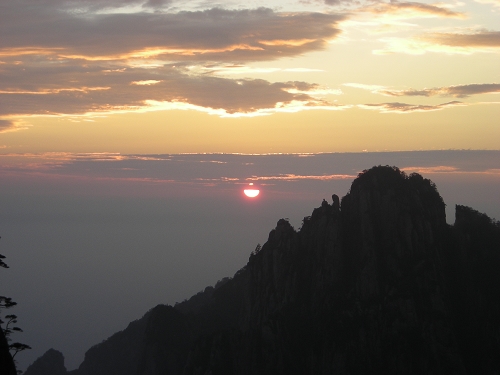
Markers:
<point>411,10</point>
<point>64,58</point>
<point>68,57</point>
<point>396,107</point>
<point>458,91</point>
<point>69,87</point>
<point>451,43</point>
<point>214,34</point>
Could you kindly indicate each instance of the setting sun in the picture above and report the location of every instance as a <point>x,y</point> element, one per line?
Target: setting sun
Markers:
<point>251,192</point>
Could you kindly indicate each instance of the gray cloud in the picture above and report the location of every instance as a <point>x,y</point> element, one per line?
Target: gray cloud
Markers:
<point>71,88</point>
<point>485,38</point>
<point>396,107</point>
<point>57,61</point>
<point>239,168</point>
<point>459,91</point>
<point>156,3</point>
<point>467,42</point>
<point>336,2</point>
<point>6,125</point>
<point>86,6</point>
<point>214,34</point>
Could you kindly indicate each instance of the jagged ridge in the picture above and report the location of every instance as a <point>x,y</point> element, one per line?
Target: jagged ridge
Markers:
<point>378,284</point>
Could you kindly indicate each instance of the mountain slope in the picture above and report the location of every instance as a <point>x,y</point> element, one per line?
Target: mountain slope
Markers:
<point>377,284</point>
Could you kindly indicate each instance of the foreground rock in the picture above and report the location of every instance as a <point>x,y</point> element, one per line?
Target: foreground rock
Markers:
<point>7,365</point>
<point>51,363</point>
<point>377,284</point>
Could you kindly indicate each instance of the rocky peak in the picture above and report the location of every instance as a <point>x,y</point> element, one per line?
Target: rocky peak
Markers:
<point>51,363</point>
<point>392,223</point>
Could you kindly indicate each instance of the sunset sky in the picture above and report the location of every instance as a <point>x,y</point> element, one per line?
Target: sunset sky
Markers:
<point>129,129</point>
<point>249,77</point>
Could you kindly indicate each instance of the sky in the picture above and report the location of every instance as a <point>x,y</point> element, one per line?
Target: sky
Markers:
<point>129,129</point>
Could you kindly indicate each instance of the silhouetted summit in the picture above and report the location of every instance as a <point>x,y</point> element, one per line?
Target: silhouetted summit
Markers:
<point>377,284</point>
<point>51,363</point>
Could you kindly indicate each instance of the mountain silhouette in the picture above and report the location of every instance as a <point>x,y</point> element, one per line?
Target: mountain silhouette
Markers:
<point>375,283</point>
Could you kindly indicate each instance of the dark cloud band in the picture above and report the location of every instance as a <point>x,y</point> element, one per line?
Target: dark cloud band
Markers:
<point>72,88</point>
<point>214,34</point>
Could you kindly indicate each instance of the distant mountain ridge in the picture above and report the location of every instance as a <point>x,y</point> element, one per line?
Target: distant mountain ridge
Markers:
<point>376,283</point>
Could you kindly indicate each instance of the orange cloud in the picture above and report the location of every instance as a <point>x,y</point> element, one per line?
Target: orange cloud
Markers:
<point>450,43</point>
<point>449,169</point>
<point>409,108</point>
<point>55,91</point>
<point>433,169</point>
<point>294,177</point>
<point>11,125</point>
<point>146,82</point>
<point>291,43</point>
<point>458,91</point>
<point>412,10</point>
<point>480,39</point>
<point>23,51</point>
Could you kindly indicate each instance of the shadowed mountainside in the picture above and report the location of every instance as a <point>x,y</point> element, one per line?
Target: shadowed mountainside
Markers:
<point>377,284</point>
<point>51,363</point>
<point>7,365</point>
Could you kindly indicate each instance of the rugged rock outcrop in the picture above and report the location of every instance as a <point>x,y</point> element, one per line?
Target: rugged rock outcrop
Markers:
<point>377,284</point>
<point>356,291</point>
<point>51,363</point>
<point>119,354</point>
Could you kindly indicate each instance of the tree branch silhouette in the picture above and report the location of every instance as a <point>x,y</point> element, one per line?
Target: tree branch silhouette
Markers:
<point>7,303</point>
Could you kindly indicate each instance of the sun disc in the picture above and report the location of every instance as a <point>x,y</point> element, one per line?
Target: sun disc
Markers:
<point>251,193</point>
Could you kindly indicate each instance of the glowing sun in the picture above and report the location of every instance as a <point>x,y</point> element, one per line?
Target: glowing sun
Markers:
<point>251,192</point>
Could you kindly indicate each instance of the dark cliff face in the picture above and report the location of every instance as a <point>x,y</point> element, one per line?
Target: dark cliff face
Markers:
<point>7,366</point>
<point>167,337</point>
<point>378,284</point>
<point>355,291</point>
<point>51,363</point>
<point>474,278</point>
<point>119,354</point>
<point>364,289</point>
